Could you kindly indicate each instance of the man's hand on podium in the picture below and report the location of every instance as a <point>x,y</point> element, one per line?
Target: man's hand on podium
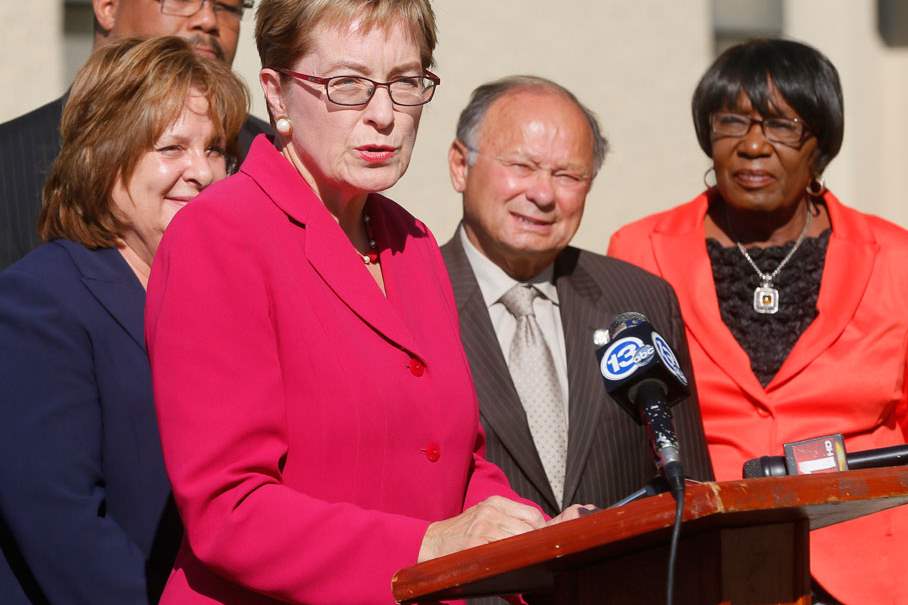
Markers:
<point>574,511</point>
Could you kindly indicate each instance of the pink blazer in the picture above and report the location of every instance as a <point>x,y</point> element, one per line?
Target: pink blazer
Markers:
<point>311,427</point>
<point>846,374</point>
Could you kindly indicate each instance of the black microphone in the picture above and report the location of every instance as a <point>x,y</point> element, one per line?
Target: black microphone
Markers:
<point>643,375</point>
<point>778,466</point>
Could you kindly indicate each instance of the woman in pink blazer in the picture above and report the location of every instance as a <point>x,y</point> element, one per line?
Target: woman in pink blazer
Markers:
<point>317,414</point>
<point>817,344</point>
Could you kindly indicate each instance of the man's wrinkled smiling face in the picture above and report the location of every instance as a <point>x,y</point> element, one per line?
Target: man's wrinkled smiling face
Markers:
<point>525,192</point>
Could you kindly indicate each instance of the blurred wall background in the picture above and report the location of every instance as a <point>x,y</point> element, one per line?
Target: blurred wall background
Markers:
<point>634,62</point>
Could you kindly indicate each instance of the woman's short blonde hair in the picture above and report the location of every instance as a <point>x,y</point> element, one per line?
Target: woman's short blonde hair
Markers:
<point>283,28</point>
<point>122,100</point>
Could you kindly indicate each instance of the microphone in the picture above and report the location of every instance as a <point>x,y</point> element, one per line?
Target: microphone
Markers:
<point>800,460</point>
<point>643,375</point>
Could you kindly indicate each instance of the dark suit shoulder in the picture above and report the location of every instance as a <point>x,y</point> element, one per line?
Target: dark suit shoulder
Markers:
<point>605,269</point>
<point>251,128</point>
<point>626,287</point>
<point>28,146</point>
<point>255,126</point>
<point>42,123</point>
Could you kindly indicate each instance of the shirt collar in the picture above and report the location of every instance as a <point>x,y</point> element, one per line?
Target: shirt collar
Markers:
<point>494,282</point>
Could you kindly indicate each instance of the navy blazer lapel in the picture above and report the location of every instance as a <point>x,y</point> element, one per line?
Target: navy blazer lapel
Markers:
<point>500,405</point>
<point>111,281</point>
<point>579,300</point>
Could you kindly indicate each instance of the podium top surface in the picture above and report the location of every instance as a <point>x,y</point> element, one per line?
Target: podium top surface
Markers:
<point>530,560</point>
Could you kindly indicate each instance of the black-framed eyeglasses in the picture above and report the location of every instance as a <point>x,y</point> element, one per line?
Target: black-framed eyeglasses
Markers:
<point>349,91</point>
<point>787,131</point>
<point>187,8</point>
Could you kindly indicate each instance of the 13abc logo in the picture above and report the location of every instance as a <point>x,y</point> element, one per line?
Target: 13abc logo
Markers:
<point>624,356</point>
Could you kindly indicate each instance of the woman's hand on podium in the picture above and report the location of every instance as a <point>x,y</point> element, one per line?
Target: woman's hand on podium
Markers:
<point>492,519</point>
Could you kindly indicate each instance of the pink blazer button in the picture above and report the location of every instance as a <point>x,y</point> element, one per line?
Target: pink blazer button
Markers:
<point>417,368</point>
<point>432,453</point>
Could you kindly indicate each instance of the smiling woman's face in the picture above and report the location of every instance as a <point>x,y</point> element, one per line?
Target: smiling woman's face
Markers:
<point>756,175</point>
<point>185,159</point>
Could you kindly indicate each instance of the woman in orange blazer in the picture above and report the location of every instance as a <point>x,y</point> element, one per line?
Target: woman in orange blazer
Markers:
<point>317,415</point>
<point>816,343</point>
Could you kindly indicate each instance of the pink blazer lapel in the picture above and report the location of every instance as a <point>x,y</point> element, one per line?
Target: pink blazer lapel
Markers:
<point>679,245</point>
<point>327,248</point>
<point>846,273</point>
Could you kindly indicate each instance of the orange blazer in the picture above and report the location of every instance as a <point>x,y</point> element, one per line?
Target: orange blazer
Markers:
<point>311,427</point>
<point>846,374</point>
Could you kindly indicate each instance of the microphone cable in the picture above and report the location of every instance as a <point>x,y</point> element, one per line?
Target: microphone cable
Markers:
<point>678,494</point>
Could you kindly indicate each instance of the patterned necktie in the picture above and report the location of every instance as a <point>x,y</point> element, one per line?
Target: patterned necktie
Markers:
<point>533,371</point>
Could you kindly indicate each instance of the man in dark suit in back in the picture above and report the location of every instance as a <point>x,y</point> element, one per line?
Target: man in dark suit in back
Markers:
<point>29,143</point>
<point>524,159</point>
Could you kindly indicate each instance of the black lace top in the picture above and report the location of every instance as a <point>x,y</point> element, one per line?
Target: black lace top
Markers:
<point>767,339</point>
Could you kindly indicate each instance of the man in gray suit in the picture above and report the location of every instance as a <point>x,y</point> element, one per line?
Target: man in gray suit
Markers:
<point>29,143</point>
<point>524,159</point>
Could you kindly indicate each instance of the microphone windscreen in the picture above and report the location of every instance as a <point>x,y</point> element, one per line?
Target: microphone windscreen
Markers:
<point>765,466</point>
<point>626,320</point>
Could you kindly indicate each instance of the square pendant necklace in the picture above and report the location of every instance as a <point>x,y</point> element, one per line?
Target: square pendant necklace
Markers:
<point>766,297</point>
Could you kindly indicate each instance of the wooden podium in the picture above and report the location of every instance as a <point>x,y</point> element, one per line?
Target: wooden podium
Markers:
<point>743,543</point>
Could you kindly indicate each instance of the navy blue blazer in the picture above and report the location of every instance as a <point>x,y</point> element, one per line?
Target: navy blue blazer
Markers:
<point>85,508</point>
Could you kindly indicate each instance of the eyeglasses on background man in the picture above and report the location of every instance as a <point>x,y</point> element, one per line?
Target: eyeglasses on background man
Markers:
<point>232,9</point>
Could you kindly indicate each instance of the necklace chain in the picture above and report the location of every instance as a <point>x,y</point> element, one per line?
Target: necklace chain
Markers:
<point>768,277</point>
<point>372,257</point>
<point>766,297</point>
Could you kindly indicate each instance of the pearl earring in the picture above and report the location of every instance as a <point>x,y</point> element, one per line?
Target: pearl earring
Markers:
<point>284,126</point>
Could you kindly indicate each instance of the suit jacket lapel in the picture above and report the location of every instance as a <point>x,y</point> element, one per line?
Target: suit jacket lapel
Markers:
<point>581,304</point>
<point>110,280</point>
<point>851,245</point>
<point>679,245</point>
<point>327,248</point>
<point>501,407</point>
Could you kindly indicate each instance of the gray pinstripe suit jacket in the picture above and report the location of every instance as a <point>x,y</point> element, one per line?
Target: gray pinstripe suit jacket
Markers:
<point>28,146</point>
<point>608,454</point>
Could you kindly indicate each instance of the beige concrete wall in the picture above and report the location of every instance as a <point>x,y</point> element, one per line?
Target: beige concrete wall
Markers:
<point>31,55</point>
<point>634,62</point>
<point>869,172</point>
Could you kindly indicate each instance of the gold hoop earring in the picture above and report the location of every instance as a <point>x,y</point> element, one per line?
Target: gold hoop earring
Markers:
<point>284,126</point>
<point>816,187</point>
<point>706,177</point>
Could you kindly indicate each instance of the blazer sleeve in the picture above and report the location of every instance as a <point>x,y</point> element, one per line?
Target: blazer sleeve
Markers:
<point>53,494</point>
<point>221,407</point>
